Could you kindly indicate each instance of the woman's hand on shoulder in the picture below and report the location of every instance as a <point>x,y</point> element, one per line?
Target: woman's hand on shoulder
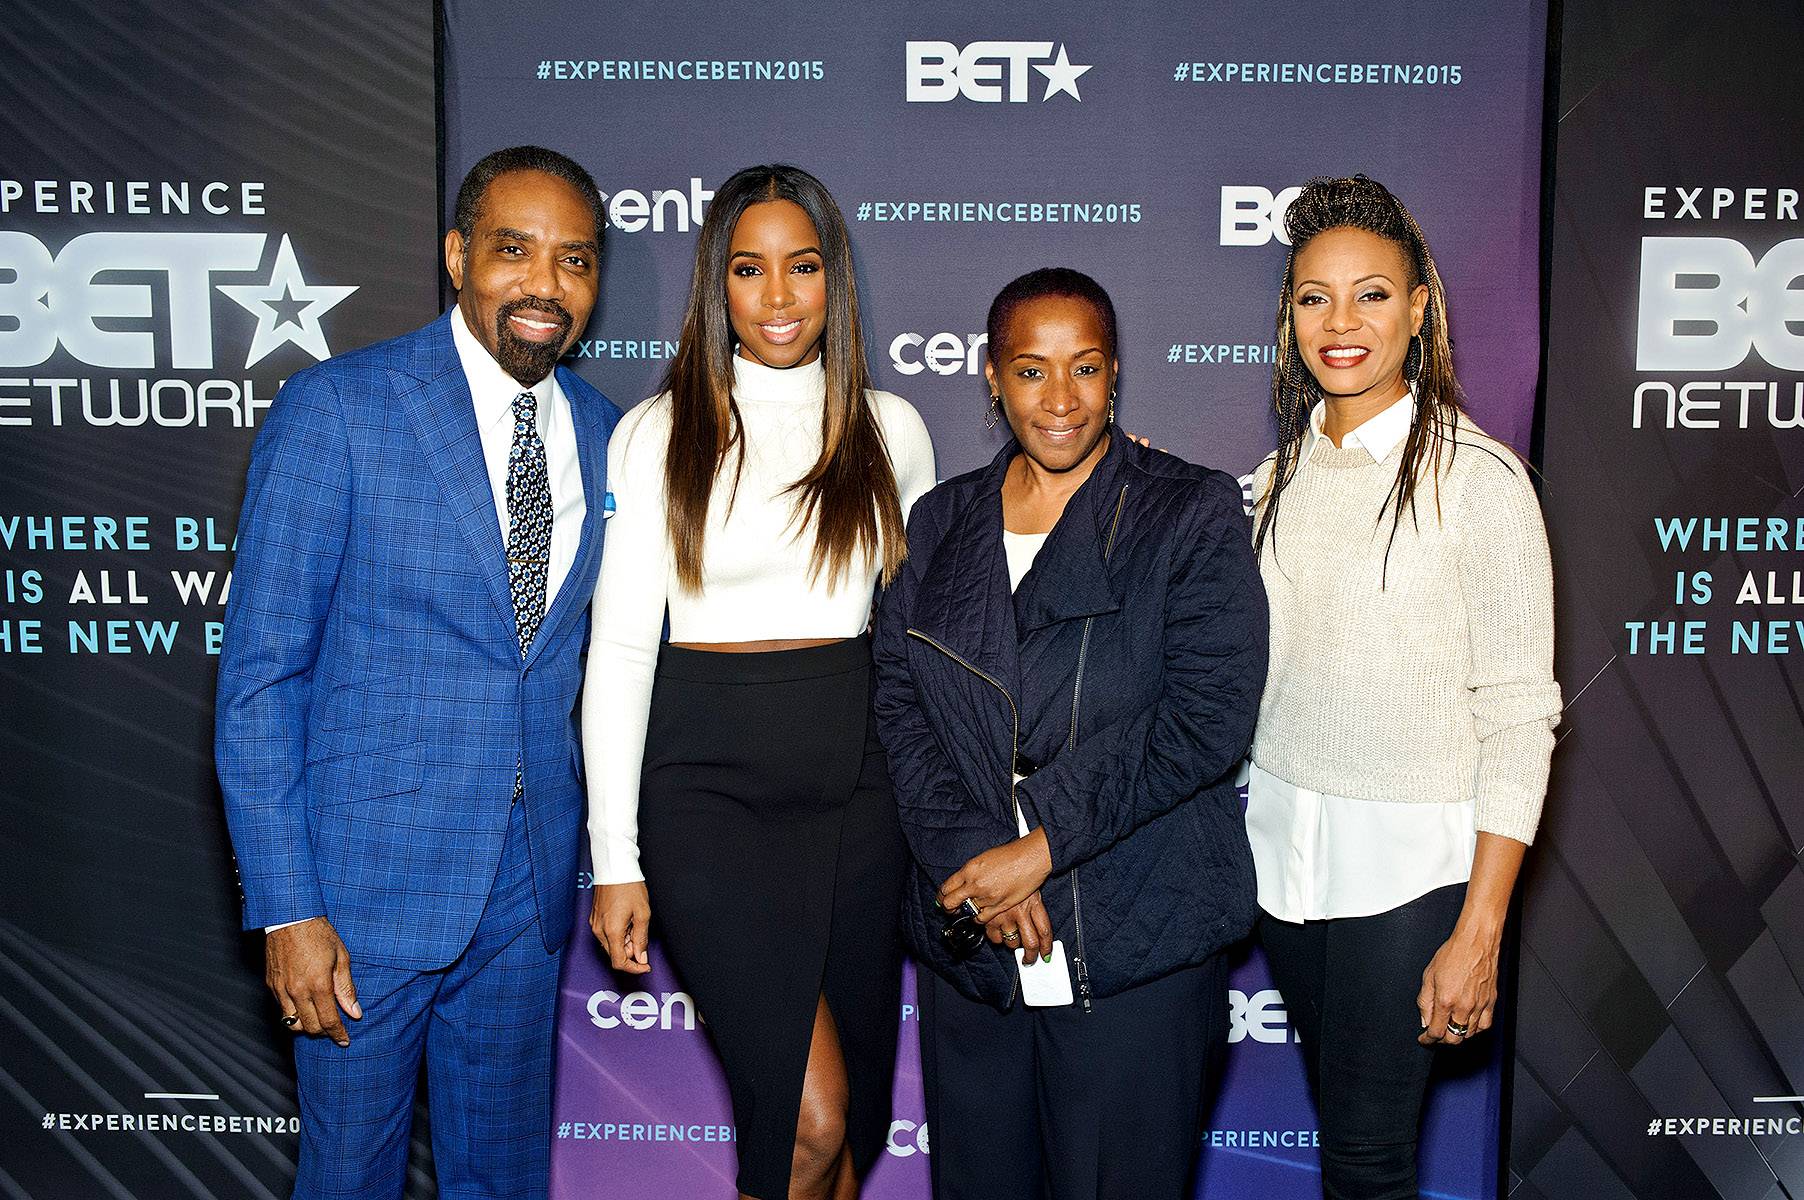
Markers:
<point>620,918</point>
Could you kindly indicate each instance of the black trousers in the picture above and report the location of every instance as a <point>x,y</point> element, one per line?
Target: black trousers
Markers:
<point>1350,985</point>
<point>1055,1102</point>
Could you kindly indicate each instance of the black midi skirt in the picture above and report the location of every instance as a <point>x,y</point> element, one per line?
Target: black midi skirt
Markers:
<point>774,861</point>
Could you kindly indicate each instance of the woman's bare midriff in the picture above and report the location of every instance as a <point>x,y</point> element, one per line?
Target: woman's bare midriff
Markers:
<point>764,647</point>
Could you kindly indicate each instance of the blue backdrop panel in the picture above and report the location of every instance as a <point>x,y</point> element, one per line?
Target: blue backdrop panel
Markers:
<point>966,144</point>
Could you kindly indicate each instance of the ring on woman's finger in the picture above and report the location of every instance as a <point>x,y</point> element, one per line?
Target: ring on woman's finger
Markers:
<point>1458,1029</point>
<point>291,1019</point>
<point>1011,935</point>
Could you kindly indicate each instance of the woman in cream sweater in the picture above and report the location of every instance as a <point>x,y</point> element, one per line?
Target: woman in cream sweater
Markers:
<point>1403,742</point>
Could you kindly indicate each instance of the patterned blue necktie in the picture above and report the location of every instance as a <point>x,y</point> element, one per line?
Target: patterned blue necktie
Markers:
<point>528,520</point>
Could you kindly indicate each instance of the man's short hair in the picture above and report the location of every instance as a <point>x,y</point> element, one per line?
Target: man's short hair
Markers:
<point>475,187</point>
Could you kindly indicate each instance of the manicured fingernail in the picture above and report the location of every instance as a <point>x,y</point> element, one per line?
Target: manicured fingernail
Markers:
<point>1046,957</point>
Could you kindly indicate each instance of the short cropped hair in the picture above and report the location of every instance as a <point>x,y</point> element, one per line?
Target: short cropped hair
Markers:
<point>522,158</point>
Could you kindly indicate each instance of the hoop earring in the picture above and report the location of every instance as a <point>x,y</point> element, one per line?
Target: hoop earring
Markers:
<point>995,411</point>
<point>1413,358</point>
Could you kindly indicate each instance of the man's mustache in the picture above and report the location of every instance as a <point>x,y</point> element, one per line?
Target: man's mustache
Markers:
<point>546,309</point>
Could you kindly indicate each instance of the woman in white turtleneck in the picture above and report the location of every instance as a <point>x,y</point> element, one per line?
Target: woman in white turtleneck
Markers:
<point>736,787</point>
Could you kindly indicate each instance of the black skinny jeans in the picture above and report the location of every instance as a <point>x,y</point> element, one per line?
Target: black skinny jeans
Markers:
<point>1350,985</point>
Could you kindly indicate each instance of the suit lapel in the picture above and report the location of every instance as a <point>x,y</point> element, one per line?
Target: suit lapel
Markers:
<point>591,449</point>
<point>444,421</point>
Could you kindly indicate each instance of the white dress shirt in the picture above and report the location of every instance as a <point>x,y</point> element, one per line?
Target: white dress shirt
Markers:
<point>492,390</point>
<point>1318,856</point>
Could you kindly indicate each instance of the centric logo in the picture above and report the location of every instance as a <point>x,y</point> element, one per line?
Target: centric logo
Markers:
<point>641,1010</point>
<point>989,72</point>
<point>941,353</point>
<point>631,210</point>
<point>908,1138</point>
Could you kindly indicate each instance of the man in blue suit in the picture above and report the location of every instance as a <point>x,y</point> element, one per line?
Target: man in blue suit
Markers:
<point>395,734</point>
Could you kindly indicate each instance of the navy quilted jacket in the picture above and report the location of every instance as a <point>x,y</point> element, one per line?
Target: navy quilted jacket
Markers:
<point>1129,664</point>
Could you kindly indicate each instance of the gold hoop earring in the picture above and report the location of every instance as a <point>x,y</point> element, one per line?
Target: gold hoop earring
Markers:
<point>995,411</point>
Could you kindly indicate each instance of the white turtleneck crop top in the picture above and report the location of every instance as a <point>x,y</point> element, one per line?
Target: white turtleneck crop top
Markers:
<point>755,571</point>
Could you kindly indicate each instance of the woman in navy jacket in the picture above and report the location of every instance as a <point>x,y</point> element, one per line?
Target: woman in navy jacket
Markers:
<point>1063,738</point>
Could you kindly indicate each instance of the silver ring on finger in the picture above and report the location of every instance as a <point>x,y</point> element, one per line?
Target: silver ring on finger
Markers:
<point>291,1019</point>
<point>1457,1028</point>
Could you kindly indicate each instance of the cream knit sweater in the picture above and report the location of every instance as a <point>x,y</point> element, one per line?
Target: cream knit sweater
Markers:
<point>1433,683</point>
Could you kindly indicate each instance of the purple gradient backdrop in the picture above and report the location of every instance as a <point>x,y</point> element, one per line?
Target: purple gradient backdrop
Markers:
<point>612,1075</point>
<point>1465,157</point>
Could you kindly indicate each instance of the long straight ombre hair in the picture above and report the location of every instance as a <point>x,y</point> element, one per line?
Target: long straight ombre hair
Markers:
<point>849,495</point>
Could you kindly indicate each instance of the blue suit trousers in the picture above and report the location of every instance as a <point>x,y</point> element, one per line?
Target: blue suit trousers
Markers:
<point>482,1026</point>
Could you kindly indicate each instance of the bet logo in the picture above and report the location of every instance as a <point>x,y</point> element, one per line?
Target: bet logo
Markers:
<point>1705,303</point>
<point>1252,216</point>
<point>988,72</point>
<point>76,299</point>
<point>1260,1016</point>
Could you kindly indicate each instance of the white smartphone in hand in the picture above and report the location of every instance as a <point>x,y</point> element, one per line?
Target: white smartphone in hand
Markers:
<point>1044,984</point>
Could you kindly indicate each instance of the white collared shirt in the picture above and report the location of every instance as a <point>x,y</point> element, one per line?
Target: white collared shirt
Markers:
<point>1318,856</point>
<point>493,391</point>
<point>1377,435</point>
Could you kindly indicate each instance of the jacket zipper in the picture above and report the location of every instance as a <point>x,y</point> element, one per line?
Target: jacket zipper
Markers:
<point>1014,747</point>
<point>1077,688</point>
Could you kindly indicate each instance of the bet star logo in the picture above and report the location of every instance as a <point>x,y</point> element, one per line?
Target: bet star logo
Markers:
<point>287,308</point>
<point>988,72</point>
<point>1061,76</point>
<point>50,300</point>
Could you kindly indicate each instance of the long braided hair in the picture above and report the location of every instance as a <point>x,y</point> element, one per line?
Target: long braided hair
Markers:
<point>1361,203</point>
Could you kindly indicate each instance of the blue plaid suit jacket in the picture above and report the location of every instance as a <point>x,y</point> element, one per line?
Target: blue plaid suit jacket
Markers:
<point>372,697</point>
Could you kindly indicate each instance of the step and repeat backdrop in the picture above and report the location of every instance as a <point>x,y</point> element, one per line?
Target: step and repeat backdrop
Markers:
<point>197,201</point>
<point>1155,150</point>
<point>1660,1022</point>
